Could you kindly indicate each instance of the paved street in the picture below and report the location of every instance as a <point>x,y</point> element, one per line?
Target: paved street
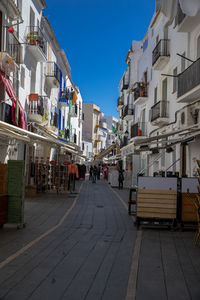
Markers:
<point>87,247</point>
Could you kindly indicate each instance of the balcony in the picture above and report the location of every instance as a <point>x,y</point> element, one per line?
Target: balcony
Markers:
<point>160,55</point>
<point>120,101</point>
<point>186,23</point>
<point>189,83</point>
<point>139,130</point>
<point>127,112</point>
<point>140,93</point>
<point>10,57</point>
<point>159,113</point>
<point>52,74</point>
<point>36,43</point>
<point>37,108</point>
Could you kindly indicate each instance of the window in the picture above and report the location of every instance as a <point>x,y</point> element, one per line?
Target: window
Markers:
<point>183,62</point>
<point>22,77</point>
<point>155,94</point>
<point>83,146</point>
<point>19,4</point>
<point>145,45</point>
<point>175,80</point>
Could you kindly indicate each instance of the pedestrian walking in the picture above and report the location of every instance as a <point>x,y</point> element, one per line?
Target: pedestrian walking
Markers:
<point>90,173</point>
<point>72,175</point>
<point>94,174</point>
<point>121,178</point>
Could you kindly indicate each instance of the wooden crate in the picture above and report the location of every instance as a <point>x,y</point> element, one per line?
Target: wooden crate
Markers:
<point>188,212</point>
<point>3,179</point>
<point>160,204</point>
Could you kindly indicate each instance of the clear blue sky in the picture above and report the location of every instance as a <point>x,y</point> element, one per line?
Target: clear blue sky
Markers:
<point>96,36</point>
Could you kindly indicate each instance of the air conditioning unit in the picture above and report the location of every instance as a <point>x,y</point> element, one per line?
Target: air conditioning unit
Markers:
<point>186,117</point>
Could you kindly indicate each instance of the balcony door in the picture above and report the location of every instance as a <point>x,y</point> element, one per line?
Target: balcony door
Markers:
<point>164,90</point>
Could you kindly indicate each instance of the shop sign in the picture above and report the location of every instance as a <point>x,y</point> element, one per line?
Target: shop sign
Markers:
<point>127,150</point>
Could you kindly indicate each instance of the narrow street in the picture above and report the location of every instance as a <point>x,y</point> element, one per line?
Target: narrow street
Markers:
<point>87,256</point>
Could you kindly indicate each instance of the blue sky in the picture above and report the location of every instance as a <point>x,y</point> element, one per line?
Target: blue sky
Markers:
<point>96,36</point>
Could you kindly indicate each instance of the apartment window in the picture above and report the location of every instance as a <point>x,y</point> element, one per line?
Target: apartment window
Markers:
<point>32,18</point>
<point>22,77</point>
<point>175,80</point>
<point>155,94</point>
<point>83,146</point>
<point>183,62</point>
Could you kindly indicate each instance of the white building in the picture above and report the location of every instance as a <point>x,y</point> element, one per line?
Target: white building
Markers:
<point>164,135</point>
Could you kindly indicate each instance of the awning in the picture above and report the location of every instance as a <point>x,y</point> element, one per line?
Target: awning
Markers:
<point>128,150</point>
<point>162,136</point>
<point>18,113</point>
<point>106,151</point>
<point>30,137</point>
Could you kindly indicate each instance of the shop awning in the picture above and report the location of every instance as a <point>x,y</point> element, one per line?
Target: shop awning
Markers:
<point>106,151</point>
<point>30,137</point>
<point>128,150</point>
<point>165,135</point>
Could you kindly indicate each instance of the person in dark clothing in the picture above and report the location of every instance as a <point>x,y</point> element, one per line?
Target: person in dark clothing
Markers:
<point>98,172</point>
<point>91,172</point>
<point>121,178</point>
<point>94,174</point>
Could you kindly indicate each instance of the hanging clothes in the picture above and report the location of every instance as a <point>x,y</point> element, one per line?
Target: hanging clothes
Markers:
<point>11,94</point>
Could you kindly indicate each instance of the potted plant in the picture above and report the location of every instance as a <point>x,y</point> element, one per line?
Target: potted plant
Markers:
<point>32,37</point>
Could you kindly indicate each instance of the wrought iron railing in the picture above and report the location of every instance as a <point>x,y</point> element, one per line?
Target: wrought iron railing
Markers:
<point>34,37</point>
<point>161,49</point>
<point>140,91</point>
<point>11,45</point>
<point>52,70</point>
<point>127,111</point>
<point>139,129</point>
<point>189,78</point>
<point>159,110</point>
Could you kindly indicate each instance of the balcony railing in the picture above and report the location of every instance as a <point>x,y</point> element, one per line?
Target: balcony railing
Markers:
<point>189,78</point>
<point>139,129</point>
<point>161,49</point>
<point>53,70</point>
<point>159,110</point>
<point>35,37</point>
<point>37,107</point>
<point>12,46</point>
<point>127,111</point>
<point>140,91</point>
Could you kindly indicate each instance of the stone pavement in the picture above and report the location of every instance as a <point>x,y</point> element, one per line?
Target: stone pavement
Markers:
<point>85,248</point>
<point>87,257</point>
<point>169,263</point>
